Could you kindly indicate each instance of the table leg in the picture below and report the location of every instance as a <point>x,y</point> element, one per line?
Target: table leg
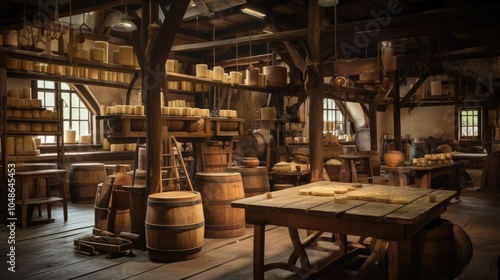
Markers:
<point>354,176</point>
<point>258,251</point>
<point>369,169</point>
<point>393,260</point>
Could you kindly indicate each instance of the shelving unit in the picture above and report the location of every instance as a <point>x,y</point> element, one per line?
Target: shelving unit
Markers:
<point>22,191</point>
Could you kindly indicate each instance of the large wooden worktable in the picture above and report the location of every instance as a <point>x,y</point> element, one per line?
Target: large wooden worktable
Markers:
<point>380,220</point>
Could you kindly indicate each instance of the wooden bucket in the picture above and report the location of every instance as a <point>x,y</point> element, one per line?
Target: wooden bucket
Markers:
<point>255,179</point>
<point>430,254</point>
<point>217,191</point>
<point>101,215</point>
<point>83,181</point>
<point>174,226</point>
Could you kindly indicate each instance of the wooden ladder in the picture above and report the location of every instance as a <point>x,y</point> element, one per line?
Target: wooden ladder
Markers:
<point>173,168</point>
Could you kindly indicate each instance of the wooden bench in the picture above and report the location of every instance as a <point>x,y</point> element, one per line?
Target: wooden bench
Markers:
<point>22,179</point>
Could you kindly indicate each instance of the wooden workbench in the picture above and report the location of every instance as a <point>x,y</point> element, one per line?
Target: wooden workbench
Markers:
<point>384,221</point>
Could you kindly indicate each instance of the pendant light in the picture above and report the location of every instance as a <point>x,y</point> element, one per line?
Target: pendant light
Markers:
<point>327,3</point>
<point>125,24</point>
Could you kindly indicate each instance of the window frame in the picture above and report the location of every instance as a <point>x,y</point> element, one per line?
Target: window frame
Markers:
<point>470,112</point>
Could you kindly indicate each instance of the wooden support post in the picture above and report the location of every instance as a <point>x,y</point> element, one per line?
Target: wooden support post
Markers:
<point>397,111</point>
<point>315,89</point>
<point>373,125</point>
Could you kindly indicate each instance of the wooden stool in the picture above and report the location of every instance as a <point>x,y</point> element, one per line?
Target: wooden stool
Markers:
<point>350,166</point>
<point>25,201</point>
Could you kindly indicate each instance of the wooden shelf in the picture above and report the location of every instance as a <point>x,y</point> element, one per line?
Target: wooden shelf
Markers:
<point>65,61</point>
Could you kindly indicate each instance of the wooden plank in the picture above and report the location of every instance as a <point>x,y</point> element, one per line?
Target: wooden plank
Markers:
<point>335,209</point>
<point>371,211</point>
<point>412,213</point>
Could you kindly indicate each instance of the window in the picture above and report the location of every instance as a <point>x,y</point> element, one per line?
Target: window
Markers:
<point>332,113</point>
<point>470,122</point>
<point>75,113</point>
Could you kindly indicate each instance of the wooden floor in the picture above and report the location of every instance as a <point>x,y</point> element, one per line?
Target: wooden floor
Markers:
<point>47,252</point>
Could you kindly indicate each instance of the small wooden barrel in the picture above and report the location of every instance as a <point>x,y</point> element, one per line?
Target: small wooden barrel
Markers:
<point>216,157</point>
<point>174,226</point>
<point>431,254</point>
<point>83,181</point>
<point>218,190</point>
<point>255,179</point>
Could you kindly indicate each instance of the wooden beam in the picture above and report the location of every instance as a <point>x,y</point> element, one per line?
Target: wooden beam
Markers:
<point>407,98</point>
<point>396,110</point>
<point>153,80</point>
<point>314,75</point>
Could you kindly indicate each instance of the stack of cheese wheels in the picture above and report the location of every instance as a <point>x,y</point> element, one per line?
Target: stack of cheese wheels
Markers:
<point>10,38</point>
<point>235,77</point>
<point>252,77</point>
<point>218,73</point>
<point>126,56</point>
<point>97,54</point>
<point>201,70</point>
<point>172,65</point>
<point>103,45</point>
<point>276,76</point>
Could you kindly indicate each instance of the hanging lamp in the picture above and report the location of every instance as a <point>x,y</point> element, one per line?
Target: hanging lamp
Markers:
<point>125,24</point>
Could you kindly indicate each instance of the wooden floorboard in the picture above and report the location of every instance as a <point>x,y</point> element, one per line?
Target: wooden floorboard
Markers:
<point>47,252</point>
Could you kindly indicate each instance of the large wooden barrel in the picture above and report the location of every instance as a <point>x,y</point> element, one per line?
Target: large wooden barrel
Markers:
<point>431,254</point>
<point>217,191</point>
<point>83,181</point>
<point>255,179</point>
<point>174,226</point>
<point>464,249</point>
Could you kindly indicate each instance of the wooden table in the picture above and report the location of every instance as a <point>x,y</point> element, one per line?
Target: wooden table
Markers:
<point>383,221</point>
<point>424,174</point>
<point>350,166</point>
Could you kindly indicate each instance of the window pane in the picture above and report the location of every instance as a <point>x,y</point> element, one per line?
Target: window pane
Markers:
<point>84,114</point>
<point>65,86</point>
<point>66,113</point>
<point>75,113</point>
<point>50,85</point>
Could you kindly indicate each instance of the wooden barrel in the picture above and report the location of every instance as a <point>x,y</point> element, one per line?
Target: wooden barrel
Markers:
<point>255,179</point>
<point>431,254</point>
<point>215,156</point>
<point>174,226</point>
<point>279,187</point>
<point>217,191</point>
<point>464,249</point>
<point>83,181</point>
